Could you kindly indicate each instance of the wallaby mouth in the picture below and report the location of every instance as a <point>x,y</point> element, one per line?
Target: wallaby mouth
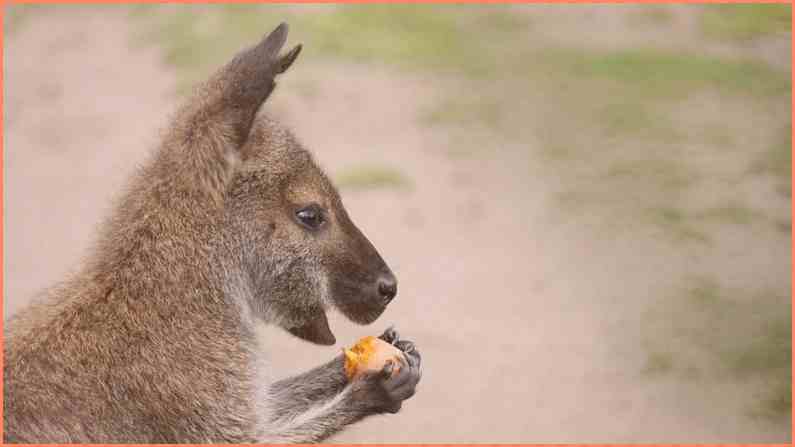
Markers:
<point>363,301</point>
<point>316,330</point>
<point>359,285</point>
<point>358,309</point>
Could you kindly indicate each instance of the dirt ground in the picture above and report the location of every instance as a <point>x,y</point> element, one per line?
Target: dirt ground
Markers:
<point>523,321</point>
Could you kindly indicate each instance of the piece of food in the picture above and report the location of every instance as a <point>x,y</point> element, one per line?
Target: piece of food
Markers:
<point>371,354</point>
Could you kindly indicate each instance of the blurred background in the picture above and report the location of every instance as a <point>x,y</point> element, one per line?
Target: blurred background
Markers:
<point>587,206</point>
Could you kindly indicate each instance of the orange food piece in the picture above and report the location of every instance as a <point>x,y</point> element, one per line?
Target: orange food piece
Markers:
<point>370,354</point>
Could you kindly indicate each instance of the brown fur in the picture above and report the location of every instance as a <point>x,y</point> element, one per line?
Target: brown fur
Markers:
<point>152,341</point>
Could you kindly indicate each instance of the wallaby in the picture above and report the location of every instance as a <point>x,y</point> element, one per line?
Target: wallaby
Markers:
<point>230,224</point>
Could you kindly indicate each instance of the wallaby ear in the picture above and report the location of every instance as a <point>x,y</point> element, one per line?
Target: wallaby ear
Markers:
<point>248,80</point>
<point>275,40</point>
<point>261,63</point>
<point>215,124</point>
<point>271,45</point>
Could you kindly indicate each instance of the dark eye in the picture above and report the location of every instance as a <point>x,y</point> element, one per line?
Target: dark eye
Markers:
<point>311,217</point>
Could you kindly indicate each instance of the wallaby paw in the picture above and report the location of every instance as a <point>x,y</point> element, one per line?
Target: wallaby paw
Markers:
<point>387,389</point>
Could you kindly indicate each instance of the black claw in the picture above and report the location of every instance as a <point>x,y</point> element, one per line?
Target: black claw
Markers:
<point>405,346</point>
<point>395,408</point>
<point>389,367</point>
<point>390,335</point>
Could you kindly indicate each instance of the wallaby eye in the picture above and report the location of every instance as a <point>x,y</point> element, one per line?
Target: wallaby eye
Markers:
<point>311,217</point>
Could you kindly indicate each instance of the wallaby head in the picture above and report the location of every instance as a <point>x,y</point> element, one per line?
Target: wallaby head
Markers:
<point>301,251</point>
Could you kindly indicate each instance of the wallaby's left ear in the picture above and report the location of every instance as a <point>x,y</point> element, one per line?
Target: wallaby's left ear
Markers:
<point>248,79</point>
<point>266,53</point>
<point>215,123</point>
<point>232,96</point>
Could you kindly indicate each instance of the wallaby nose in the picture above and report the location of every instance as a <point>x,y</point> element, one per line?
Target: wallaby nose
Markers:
<point>387,287</point>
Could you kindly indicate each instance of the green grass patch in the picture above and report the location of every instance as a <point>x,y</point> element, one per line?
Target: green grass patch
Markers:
<point>662,175</point>
<point>655,74</point>
<point>371,177</point>
<point>16,16</point>
<point>675,224</point>
<point>733,212</point>
<point>722,332</point>
<point>198,39</point>
<point>635,119</point>
<point>468,111</point>
<point>745,22</point>
<point>463,144</point>
<point>658,363</point>
<point>719,136</point>
<point>776,402</point>
<point>454,38</point>
<point>471,40</point>
<point>652,15</point>
<point>767,353</point>
<point>767,347</point>
<point>703,293</point>
<point>777,161</point>
<point>556,152</point>
<point>626,193</point>
<point>573,200</point>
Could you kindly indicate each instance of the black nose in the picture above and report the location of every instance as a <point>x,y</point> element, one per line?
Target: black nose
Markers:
<point>387,287</point>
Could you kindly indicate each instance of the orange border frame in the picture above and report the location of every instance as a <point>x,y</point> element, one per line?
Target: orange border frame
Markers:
<point>2,151</point>
<point>390,1</point>
<point>2,203</point>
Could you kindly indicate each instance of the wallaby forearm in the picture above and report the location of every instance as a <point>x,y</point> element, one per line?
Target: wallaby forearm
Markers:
<point>297,394</point>
<point>314,405</point>
<point>319,420</point>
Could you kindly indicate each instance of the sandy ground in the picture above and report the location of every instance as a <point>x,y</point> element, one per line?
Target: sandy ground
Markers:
<point>521,321</point>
